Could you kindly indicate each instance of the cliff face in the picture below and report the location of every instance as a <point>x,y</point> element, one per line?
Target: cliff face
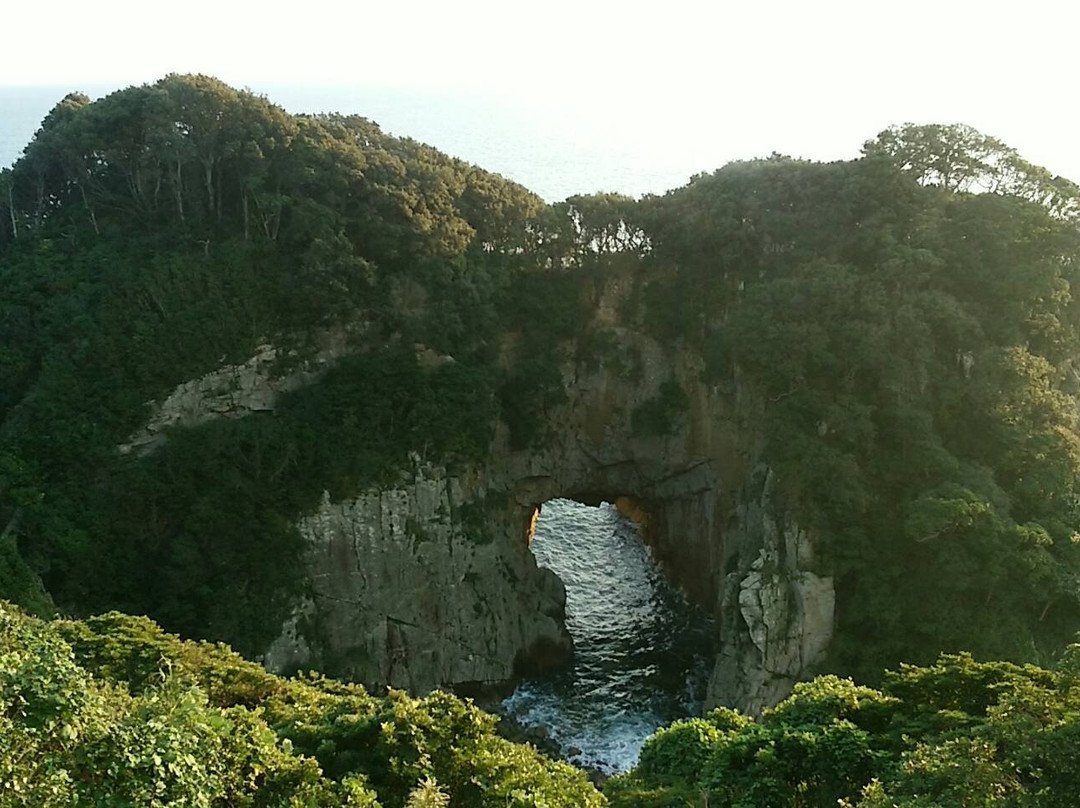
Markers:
<point>404,591</point>
<point>776,609</point>
<point>431,582</point>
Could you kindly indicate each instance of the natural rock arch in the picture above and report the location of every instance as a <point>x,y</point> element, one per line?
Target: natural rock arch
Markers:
<point>430,582</point>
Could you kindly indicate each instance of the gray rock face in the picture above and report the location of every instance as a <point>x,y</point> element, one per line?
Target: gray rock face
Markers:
<point>388,608</point>
<point>775,600</point>
<point>430,582</point>
<point>402,594</point>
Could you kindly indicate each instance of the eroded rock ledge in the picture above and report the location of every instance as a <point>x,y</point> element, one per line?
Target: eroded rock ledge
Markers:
<point>238,390</point>
<point>776,600</point>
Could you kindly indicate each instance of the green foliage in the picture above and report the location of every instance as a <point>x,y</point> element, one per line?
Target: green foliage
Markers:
<point>958,733</point>
<point>541,311</point>
<point>960,158</point>
<point>115,712</point>
<point>427,794</point>
<point>679,751</point>
<point>605,223</point>
<point>193,154</point>
<point>526,395</point>
<point>911,346</point>
<point>68,736</point>
<point>660,415</point>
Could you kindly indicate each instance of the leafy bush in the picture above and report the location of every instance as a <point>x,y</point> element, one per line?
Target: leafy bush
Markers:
<point>69,736</point>
<point>114,711</point>
<point>955,734</point>
<point>679,751</point>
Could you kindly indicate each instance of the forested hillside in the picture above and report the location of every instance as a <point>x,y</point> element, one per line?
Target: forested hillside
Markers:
<point>912,321</point>
<point>164,230</point>
<point>908,320</point>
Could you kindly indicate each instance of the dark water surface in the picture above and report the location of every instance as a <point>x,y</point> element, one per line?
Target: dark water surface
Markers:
<point>641,653</point>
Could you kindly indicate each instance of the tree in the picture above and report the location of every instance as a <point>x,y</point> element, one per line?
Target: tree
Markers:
<point>605,223</point>
<point>956,157</point>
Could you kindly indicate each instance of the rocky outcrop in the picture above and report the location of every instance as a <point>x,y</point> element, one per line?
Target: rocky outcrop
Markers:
<point>403,593</point>
<point>432,582</point>
<point>237,390</point>
<point>775,600</point>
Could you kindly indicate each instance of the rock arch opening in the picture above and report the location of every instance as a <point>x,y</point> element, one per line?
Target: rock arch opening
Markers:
<point>642,652</point>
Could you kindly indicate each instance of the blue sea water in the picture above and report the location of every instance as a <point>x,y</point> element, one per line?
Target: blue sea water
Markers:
<point>554,150</point>
<point>642,653</point>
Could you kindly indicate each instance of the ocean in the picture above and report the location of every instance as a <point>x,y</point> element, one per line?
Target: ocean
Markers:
<point>642,653</point>
<point>553,149</point>
<point>21,112</point>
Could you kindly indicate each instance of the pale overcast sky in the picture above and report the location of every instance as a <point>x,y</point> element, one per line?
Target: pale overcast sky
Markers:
<point>808,78</point>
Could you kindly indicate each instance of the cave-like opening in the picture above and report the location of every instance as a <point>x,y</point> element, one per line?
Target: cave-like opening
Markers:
<point>642,652</point>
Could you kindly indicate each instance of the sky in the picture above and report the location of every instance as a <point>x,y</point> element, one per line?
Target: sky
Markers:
<point>731,79</point>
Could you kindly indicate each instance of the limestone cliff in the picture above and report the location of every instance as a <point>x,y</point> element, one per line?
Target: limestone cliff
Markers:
<point>238,390</point>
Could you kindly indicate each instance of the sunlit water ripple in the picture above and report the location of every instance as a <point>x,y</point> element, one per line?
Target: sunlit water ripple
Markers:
<point>641,652</point>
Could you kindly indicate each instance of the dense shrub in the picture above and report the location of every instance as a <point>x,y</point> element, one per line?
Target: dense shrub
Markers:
<point>955,734</point>
<point>113,711</point>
